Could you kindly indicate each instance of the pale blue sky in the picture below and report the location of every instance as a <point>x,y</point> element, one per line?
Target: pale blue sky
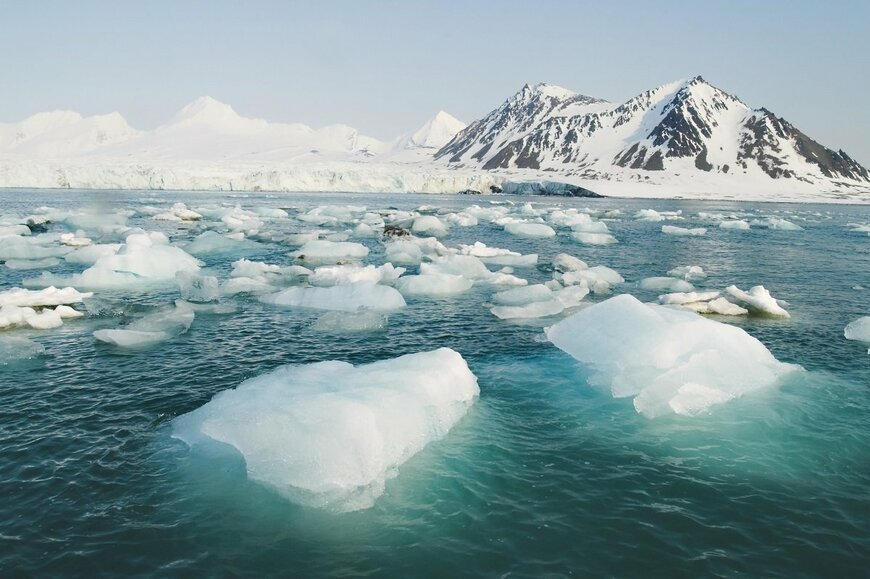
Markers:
<point>385,67</point>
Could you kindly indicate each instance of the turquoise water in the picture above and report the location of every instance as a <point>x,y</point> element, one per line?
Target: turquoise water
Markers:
<point>543,476</point>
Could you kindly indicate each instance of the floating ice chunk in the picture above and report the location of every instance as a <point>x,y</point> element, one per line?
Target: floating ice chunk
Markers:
<point>73,240</point>
<point>461,219</point>
<point>498,256</point>
<point>488,214</point>
<point>298,239</point>
<point>210,308</point>
<point>719,306</point>
<point>777,223</point>
<point>670,360</point>
<point>568,218</point>
<point>22,264</point>
<point>365,230</point>
<point>151,329</point>
<point>599,278</point>
<point>66,312</point>
<point>329,435</point>
<point>90,254</point>
<point>433,285</point>
<point>523,295</point>
<point>680,298</point>
<point>683,231</point>
<point>758,300</point>
<point>734,224</point>
<point>859,330</point>
<point>564,262</point>
<point>238,219</point>
<point>859,227</point>
<point>50,296</point>
<point>688,272</point>
<point>271,212</point>
<point>29,248</point>
<point>429,225</point>
<point>468,266</point>
<point>13,349</point>
<point>360,321</point>
<point>331,215</point>
<point>348,298</point>
<point>559,302</point>
<point>195,287</point>
<point>343,274</point>
<point>591,227</point>
<point>143,258</point>
<point>45,319</point>
<point>321,251</point>
<point>16,230</point>
<point>412,250</point>
<point>525,229</point>
<point>178,212</point>
<point>246,285</point>
<point>667,284</point>
<point>649,215</point>
<point>131,338</point>
<point>593,238</point>
<point>213,243</point>
<point>268,273</point>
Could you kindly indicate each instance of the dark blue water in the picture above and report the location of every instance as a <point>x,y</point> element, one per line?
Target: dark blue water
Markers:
<point>544,476</point>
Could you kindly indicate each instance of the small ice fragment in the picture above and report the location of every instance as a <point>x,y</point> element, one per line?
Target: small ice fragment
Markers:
<point>758,300</point>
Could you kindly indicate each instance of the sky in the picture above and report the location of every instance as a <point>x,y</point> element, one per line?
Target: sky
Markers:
<point>385,67</point>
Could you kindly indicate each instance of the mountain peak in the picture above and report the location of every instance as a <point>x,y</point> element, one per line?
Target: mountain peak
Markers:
<point>437,131</point>
<point>206,108</point>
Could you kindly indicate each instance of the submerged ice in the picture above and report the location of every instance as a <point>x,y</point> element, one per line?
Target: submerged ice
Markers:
<point>330,434</point>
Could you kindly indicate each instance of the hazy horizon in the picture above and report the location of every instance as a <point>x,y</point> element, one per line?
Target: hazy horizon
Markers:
<point>385,68</point>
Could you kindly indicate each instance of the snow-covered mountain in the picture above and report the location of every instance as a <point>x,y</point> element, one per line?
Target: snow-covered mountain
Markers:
<point>437,132</point>
<point>687,129</point>
<point>63,133</point>
<point>686,138</point>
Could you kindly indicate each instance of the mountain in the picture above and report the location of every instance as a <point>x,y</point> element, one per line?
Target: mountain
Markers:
<point>683,128</point>
<point>63,133</point>
<point>436,133</point>
<point>686,138</point>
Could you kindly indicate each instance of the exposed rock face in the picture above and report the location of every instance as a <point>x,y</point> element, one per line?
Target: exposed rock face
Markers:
<point>686,127</point>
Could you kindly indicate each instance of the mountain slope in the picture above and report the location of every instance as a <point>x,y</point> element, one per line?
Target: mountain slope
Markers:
<point>687,127</point>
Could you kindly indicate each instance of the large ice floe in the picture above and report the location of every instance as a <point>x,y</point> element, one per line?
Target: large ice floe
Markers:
<point>669,360</point>
<point>330,434</point>
<point>144,258</point>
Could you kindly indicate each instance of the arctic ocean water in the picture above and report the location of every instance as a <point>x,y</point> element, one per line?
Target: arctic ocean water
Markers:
<point>544,476</point>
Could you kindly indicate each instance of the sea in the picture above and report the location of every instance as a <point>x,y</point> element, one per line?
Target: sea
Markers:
<point>544,476</point>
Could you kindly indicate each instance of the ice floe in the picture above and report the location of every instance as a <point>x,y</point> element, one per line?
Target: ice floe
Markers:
<point>758,300</point>
<point>323,252</point>
<point>14,349</point>
<point>670,361</point>
<point>144,258</point>
<point>330,434</point>
<point>349,297</point>
<point>151,329</point>
<point>683,231</point>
